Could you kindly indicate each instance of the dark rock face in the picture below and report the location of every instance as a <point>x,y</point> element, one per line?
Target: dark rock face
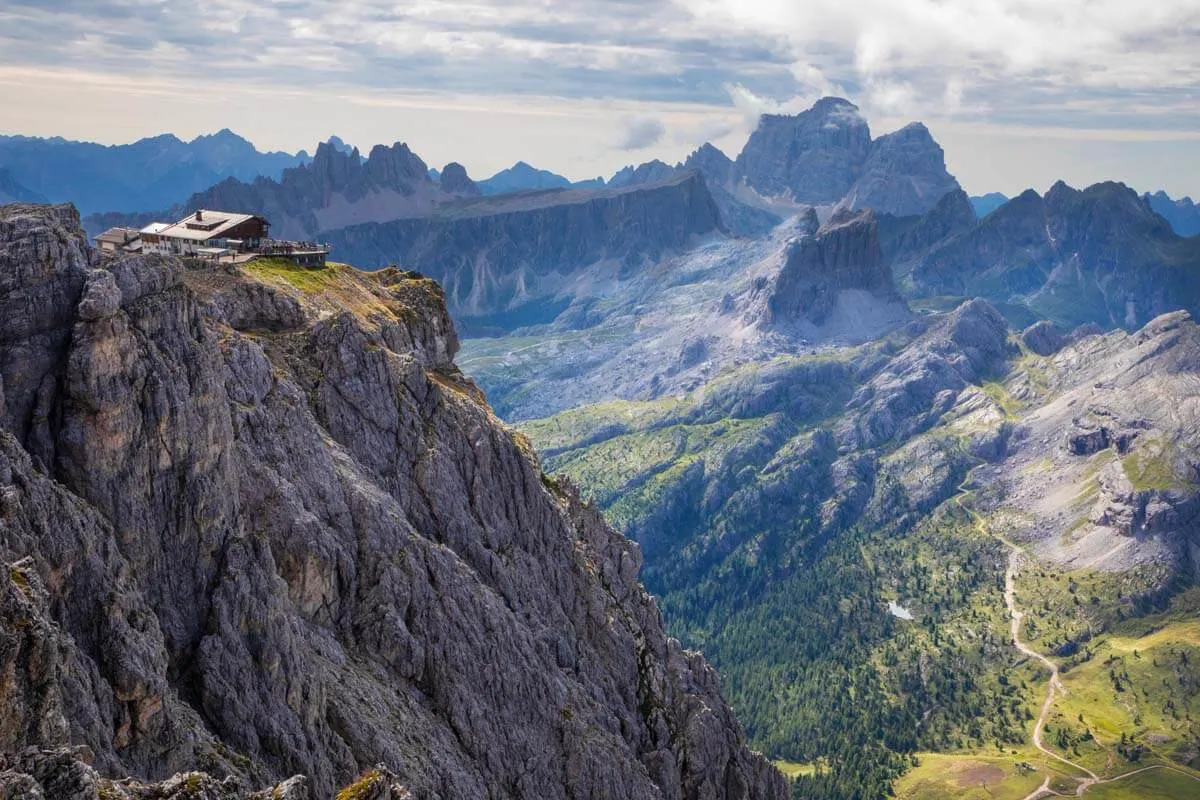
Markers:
<point>307,552</point>
<point>906,240</point>
<point>815,156</point>
<point>1085,442</point>
<point>717,167</point>
<point>456,182</point>
<point>1183,214</point>
<point>1044,338</point>
<point>1099,255</point>
<point>843,254</point>
<point>509,257</point>
<point>904,174</point>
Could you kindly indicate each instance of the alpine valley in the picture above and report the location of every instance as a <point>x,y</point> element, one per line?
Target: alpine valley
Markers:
<point>917,473</point>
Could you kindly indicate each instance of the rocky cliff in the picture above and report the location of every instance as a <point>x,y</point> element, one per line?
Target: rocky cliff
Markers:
<point>816,155</point>
<point>1098,255</point>
<point>259,524</point>
<point>904,174</point>
<point>906,240</point>
<point>844,254</point>
<point>826,156</point>
<point>512,261</point>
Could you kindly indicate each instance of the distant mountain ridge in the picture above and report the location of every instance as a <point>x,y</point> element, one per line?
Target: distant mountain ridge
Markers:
<point>1098,255</point>
<point>337,188</point>
<point>511,261</point>
<point>987,203</point>
<point>1183,214</point>
<point>13,192</point>
<point>156,172</point>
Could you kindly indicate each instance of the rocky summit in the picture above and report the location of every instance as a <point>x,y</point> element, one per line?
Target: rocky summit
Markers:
<point>826,156</point>
<point>815,155</point>
<point>263,539</point>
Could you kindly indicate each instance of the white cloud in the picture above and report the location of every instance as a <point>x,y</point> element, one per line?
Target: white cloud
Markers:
<point>968,56</point>
<point>1001,71</point>
<point>640,133</point>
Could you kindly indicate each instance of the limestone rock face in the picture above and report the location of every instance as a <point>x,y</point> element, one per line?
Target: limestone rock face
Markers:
<point>904,174</point>
<point>906,240</point>
<point>1044,338</point>
<point>843,254</point>
<point>826,156</point>
<point>815,156</point>
<point>917,387</point>
<point>273,531</point>
<point>717,167</point>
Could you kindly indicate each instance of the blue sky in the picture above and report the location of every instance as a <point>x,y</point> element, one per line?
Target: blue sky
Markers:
<point>1019,92</point>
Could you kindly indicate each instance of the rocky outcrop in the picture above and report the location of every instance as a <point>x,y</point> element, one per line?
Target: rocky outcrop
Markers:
<point>843,254</point>
<point>1044,338</point>
<point>920,385</point>
<point>308,547</point>
<point>455,181</point>
<point>904,174</point>
<point>507,262</point>
<point>1098,255</point>
<point>815,156</point>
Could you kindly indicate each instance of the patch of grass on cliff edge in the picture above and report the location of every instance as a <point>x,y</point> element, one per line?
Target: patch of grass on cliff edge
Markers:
<point>1156,466</point>
<point>306,279</point>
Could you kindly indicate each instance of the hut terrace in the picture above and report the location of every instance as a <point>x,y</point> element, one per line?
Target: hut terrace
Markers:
<point>227,236</point>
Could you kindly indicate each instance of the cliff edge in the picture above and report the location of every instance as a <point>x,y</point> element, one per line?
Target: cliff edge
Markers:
<point>260,525</point>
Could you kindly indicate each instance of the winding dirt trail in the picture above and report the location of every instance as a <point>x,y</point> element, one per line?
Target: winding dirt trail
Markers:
<point>1055,686</point>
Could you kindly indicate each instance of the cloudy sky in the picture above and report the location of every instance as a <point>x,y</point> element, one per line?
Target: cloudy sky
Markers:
<point>1019,92</point>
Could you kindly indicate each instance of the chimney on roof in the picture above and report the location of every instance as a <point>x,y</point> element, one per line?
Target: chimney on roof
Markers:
<point>199,216</point>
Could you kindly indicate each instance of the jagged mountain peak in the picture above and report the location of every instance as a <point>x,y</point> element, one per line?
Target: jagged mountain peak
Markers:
<point>826,156</point>
<point>454,180</point>
<point>712,161</point>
